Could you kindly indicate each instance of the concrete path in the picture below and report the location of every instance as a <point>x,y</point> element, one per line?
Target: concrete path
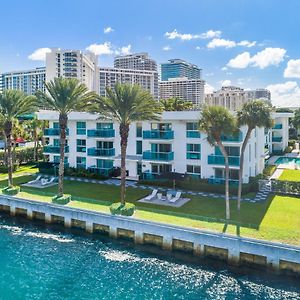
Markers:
<point>276,174</point>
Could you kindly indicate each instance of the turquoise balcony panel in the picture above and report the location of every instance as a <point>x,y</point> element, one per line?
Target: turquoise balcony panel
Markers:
<point>193,134</point>
<point>277,126</point>
<point>100,171</point>
<point>220,160</point>
<point>148,155</point>
<point>101,152</point>
<point>193,155</point>
<point>215,180</point>
<point>54,131</point>
<point>276,139</point>
<point>55,149</point>
<point>158,134</point>
<point>81,131</point>
<point>232,138</point>
<point>102,133</point>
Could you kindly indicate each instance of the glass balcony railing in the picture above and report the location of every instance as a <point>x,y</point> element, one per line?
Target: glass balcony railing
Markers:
<point>53,131</point>
<point>276,139</point>
<point>193,155</point>
<point>101,152</point>
<point>148,155</point>
<point>100,171</point>
<point>55,149</point>
<point>216,180</point>
<point>277,126</point>
<point>232,138</point>
<point>220,160</point>
<point>102,133</point>
<point>81,131</point>
<point>158,134</point>
<point>193,134</point>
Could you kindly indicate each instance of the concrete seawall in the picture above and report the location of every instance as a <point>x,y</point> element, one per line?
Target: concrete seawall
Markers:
<point>278,258</point>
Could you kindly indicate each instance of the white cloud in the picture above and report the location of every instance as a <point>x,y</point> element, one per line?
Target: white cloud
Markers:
<point>198,48</point>
<point>189,36</point>
<point>125,50</point>
<point>285,94</point>
<point>208,88</point>
<point>39,54</point>
<point>108,30</point>
<point>167,48</point>
<point>293,69</point>
<point>246,43</point>
<point>265,58</point>
<point>226,82</point>
<point>229,44</point>
<point>101,49</point>
<point>224,69</point>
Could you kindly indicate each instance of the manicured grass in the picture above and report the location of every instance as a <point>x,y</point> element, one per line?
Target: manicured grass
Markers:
<point>290,175</point>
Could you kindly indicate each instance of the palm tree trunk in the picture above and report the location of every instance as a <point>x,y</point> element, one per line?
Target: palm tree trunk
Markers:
<point>241,170</point>
<point>124,130</point>
<point>224,152</point>
<point>43,138</point>
<point>63,120</point>
<point>8,130</point>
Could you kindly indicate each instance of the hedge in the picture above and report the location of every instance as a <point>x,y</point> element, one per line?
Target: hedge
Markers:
<point>285,187</point>
<point>62,200</point>
<point>11,191</point>
<point>126,209</point>
<point>269,170</point>
<point>21,155</point>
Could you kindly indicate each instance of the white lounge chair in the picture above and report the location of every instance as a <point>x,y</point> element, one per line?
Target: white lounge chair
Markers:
<point>176,198</point>
<point>152,195</point>
<point>35,180</point>
<point>47,182</point>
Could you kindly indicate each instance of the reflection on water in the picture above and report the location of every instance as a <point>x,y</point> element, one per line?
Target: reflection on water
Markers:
<point>39,263</point>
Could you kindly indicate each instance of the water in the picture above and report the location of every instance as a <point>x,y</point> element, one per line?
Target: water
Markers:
<point>287,160</point>
<point>41,263</point>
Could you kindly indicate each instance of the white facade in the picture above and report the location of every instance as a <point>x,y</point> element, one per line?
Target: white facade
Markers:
<point>73,64</point>
<point>183,88</point>
<point>172,144</point>
<point>135,61</point>
<point>108,77</point>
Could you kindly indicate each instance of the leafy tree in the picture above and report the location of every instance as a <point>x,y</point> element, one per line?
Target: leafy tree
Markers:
<point>175,104</point>
<point>217,121</point>
<point>296,119</point>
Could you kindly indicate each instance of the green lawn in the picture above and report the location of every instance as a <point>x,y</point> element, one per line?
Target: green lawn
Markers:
<point>276,219</point>
<point>290,175</point>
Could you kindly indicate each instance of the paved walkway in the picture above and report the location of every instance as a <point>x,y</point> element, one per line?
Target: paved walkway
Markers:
<point>276,174</point>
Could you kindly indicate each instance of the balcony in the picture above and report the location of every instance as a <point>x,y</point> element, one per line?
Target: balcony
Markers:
<point>193,155</point>
<point>147,175</point>
<point>165,156</point>
<point>100,171</point>
<point>54,131</point>
<point>101,133</point>
<point>158,134</point>
<point>55,149</point>
<point>276,139</point>
<point>193,134</point>
<point>232,138</point>
<point>220,160</point>
<point>101,151</point>
<point>81,131</point>
<point>277,126</point>
<point>216,180</point>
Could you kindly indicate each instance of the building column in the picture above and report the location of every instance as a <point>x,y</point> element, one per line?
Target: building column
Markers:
<point>68,222</point>
<point>167,243</point>
<point>29,214</point>
<point>89,226</point>
<point>48,218</point>
<point>234,256</point>
<point>113,232</point>
<point>12,210</point>
<point>199,250</point>
<point>139,237</point>
<point>273,264</point>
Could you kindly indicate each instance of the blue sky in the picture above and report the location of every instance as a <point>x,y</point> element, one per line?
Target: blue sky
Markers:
<point>249,43</point>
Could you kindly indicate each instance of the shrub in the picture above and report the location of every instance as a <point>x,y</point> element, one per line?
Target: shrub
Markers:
<point>269,170</point>
<point>121,209</point>
<point>288,149</point>
<point>4,169</point>
<point>62,200</point>
<point>292,143</point>
<point>11,191</point>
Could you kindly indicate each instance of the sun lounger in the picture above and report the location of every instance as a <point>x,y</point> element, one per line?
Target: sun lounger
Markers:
<point>46,182</point>
<point>176,198</point>
<point>152,195</point>
<point>35,180</point>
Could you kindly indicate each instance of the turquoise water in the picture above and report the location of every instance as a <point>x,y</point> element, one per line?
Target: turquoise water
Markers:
<point>287,160</point>
<point>42,263</point>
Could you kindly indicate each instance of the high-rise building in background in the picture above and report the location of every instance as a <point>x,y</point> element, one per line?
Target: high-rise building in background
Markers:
<point>263,94</point>
<point>28,81</point>
<point>176,68</point>
<point>136,61</point>
<point>73,64</point>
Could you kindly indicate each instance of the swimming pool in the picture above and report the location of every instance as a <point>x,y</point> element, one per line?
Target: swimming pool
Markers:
<point>287,160</point>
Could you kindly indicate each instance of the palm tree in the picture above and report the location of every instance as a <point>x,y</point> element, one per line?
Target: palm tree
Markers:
<point>216,121</point>
<point>126,104</point>
<point>64,95</point>
<point>256,113</point>
<point>13,103</point>
<point>175,104</point>
<point>296,120</point>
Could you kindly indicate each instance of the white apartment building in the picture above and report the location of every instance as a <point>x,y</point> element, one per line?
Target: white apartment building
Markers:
<point>136,61</point>
<point>28,81</point>
<point>73,64</point>
<point>172,144</point>
<point>183,88</point>
<point>108,77</point>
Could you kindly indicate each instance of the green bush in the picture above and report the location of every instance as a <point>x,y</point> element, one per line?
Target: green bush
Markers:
<point>21,155</point>
<point>121,209</point>
<point>65,199</point>
<point>288,149</point>
<point>269,170</point>
<point>4,169</point>
<point>11,191</point>
<point>292,143</point>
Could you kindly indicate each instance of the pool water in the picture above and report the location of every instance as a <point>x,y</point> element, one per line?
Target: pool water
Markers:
<point>41,263</point>
<point>287,160</point>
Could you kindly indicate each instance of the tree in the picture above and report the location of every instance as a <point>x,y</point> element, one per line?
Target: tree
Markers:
<point>256,113</point>
<point>13,103</point>
<point>175,104</point>
<point>64,95</point>
<point>217,121</point>
<point>126,104</point>
<point>296,119</point>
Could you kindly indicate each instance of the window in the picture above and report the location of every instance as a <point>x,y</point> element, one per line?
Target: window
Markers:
<point>192,130</point>
<point>81,128</point>
<point>191,169</point>
<point>55,125</point>
<point>80,162</point>
<point>193,151</point>
<point>56,159</point>
<point>158,169</point>
<point>104,164</point>
<point>139,147</point>
<point>56,142</point>
<point>139,130</point>
<point>104,145</point>
<point>231,151</point>
<point>103,126</point>
<point>165,148</point>
<point>161,126</point>
<point>81,145</point>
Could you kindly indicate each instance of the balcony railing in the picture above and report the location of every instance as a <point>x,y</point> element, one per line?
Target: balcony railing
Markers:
<point>102,133</point>
<point>100,171</point>
<point>55,149</point>
<point>216,180</point>
<point>193,134</point>
<point>193,155</point>
<point>276,139</point>
<point>148,155</point>
<point>101,151</point>
<point>158,134</point>
<point>53,131</point>
<point>81,131</point>
<point>277,126</point>
<point>232,138</point>
<point>220,160</point>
